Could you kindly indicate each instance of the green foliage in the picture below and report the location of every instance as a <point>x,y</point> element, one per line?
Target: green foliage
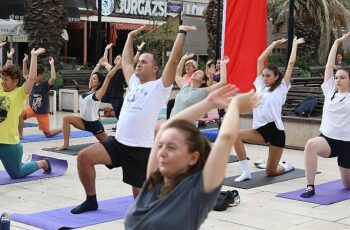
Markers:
<point>59,81</point>
<point>277,58</point>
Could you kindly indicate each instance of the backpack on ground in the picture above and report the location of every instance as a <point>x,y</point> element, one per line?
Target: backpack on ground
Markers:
<point>306,106</point>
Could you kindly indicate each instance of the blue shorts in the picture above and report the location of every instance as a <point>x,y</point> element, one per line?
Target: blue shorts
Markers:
<point>273,135</point>
<point>340,149</point>
<point>94,127</point>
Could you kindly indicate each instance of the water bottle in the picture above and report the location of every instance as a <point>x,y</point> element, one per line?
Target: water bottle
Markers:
<point>5,221</point>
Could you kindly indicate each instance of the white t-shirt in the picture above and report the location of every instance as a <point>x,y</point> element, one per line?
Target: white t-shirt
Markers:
<point>270,108</point>
<point>89,107</point>
<point>138,116</point>
<point>336,112</point>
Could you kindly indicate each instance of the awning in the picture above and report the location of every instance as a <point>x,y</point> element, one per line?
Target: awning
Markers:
<point>15,9</point>
<point>128,26</point>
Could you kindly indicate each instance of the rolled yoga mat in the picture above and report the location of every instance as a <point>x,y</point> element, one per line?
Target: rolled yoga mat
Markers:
<point>108,210</point>
<point>259,178</point>
<point>73,149</point>
<point>59,167</point>
<point>42,137</point>
<point>325,194</point>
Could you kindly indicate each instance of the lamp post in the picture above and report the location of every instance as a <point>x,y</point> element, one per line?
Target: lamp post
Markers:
<point>218,31</point>
<point>99,31</point>
<point>290,30</point>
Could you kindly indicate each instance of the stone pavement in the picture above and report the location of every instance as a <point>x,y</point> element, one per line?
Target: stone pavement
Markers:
<point>259,208</point>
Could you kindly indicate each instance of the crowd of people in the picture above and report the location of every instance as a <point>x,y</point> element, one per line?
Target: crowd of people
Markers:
<point>172,167</point>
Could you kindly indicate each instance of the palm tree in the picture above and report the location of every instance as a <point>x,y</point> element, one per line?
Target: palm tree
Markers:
<point>211,19</point>
<point>44,21</point>
<point>318,21</point>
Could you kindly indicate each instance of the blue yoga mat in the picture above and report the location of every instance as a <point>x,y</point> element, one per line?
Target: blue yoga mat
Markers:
<point>41,137</point>
<point>59,167</point>
<point>327,193</point>
<point>108,210</point>
<point>211,134</point>
<point>28,125</point>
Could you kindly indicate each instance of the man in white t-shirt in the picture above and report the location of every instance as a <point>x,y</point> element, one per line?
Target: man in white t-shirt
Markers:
<point>131,145</point>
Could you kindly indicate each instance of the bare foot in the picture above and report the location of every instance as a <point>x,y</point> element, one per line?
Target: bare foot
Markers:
<point>63,147</point>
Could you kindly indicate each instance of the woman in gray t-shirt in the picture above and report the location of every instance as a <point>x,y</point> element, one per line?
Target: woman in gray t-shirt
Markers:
<point>184,175</point>
<point>192,92</point>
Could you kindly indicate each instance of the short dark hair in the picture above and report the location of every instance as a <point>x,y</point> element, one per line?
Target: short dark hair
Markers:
<point>12,71</point>
<point>345,69</point>
<point>40,69</point>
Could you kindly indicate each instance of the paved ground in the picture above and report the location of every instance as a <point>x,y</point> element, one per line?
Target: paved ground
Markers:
<point>259,208</point>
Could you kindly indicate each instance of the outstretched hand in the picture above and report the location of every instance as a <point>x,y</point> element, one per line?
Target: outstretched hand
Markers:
<point>109,46</point>
<point>188,55</point>
<point>344,37</point>
<point>298,41</point>
<point>140,47</point>
<point>281,41</point>
<point>51,61</point>
<point>2,44</point>
<point>11,53</point>
<point>134,33</point>
<point>221,97</point>
<point>37,52</point>
<point>187,28</point>
<point>246,101</point>
<point>26,57</point>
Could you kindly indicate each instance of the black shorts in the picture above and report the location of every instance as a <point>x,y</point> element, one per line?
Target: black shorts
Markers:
<point>273,135</point>
<point>340,149</point>
<point>133,160</point>
<point>94,127</point>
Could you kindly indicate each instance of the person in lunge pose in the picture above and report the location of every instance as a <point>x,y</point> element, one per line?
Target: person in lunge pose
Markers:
<point>89,105</point>
<point>39,99</point>
<point>12,101</point>
<point>334,140</point>
<point>183,172</point>
<point>130,147</point>
<point>267,122</point>
<point>191,93</point>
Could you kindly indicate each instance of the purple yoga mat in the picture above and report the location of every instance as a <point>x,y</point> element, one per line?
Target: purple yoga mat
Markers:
<point>59,167</point>
<point>42,137</point>
<point>108,210</point>
<point>327,193</point>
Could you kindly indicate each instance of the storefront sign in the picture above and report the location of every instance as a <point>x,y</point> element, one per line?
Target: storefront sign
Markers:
<point>159,8</point>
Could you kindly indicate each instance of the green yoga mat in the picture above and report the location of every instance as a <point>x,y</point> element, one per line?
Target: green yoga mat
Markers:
<point>73,149</point>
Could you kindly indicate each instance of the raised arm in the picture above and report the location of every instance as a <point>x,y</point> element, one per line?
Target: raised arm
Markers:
<point>169,71</point>
<point>139,51</point>
<point>128,64</point>
<point>10,54</point>
<point>52,71</point>
<point>215,167</point>
<point>99,93</point>
<point>97,67</point>
<point>179,69</point>
<point>218,99</point>
<point>106,64</point>
<point>223,75</point>
<point>292,58</point>
<point>25,70</point>
<point>332,54</point>
<point>266,53</point>
<point>28,85</point>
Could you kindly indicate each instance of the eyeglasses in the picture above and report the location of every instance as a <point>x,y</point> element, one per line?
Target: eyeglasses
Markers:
<point>340,99</point>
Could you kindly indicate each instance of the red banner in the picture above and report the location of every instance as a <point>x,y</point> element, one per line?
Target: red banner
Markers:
<point>244,39</point>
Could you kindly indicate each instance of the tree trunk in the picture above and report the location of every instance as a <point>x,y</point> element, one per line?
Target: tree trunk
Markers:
<point>44,22</point>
